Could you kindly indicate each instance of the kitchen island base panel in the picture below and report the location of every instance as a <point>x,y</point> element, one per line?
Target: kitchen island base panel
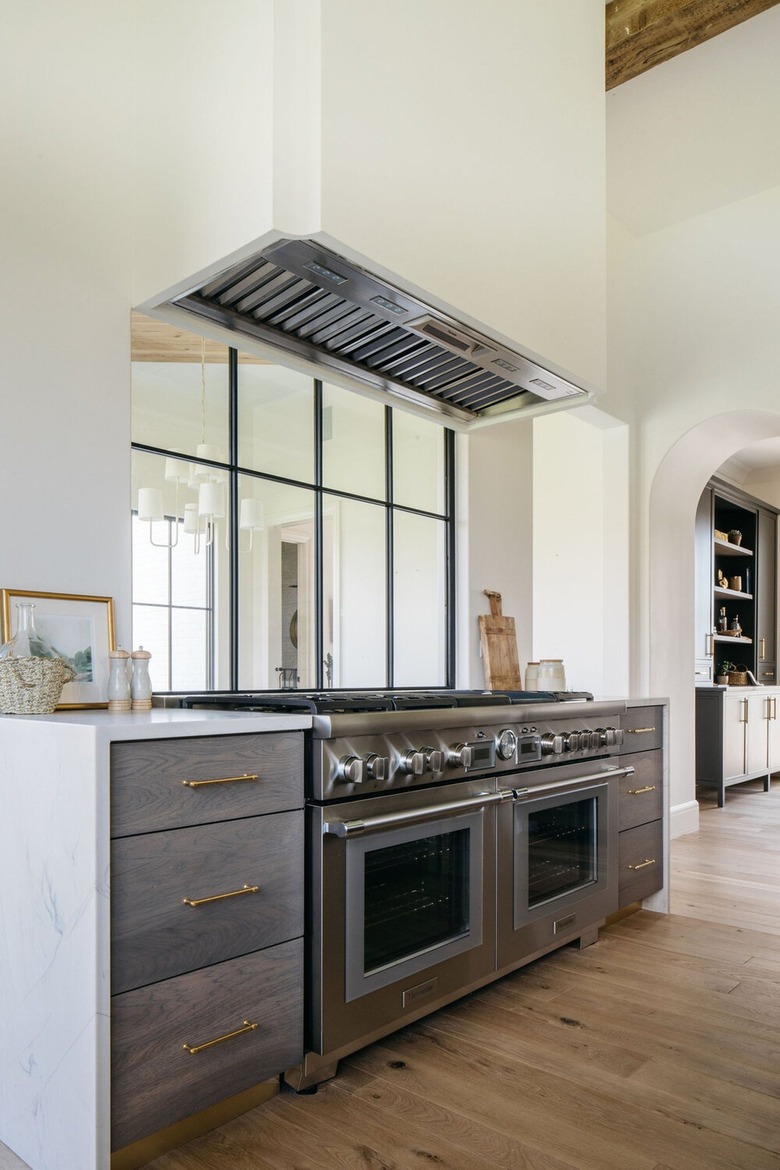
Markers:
<point>142,1152</point>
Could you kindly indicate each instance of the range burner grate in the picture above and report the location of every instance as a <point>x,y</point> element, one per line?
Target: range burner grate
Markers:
<point>339,702</point>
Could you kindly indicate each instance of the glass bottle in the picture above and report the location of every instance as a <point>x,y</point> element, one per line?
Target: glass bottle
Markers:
<point>28,641</point>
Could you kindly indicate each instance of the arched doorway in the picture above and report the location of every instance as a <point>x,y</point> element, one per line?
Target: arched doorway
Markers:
<point>667,638</point>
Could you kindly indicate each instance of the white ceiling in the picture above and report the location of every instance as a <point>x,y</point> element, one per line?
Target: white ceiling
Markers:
<point>697,132</point>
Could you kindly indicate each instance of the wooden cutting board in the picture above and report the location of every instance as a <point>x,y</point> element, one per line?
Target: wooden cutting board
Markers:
<point>498,640</point>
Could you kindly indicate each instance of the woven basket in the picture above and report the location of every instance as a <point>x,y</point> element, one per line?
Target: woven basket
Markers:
<point>32,686</point>
<point>738,677</point>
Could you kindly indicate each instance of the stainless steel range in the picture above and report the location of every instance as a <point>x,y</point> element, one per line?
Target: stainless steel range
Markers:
<point>452,837</point>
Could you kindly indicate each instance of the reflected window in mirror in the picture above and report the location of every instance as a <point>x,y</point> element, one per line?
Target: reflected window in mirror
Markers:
<point>287,532</point>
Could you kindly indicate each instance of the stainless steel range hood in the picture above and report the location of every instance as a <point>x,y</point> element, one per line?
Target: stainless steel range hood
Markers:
<point>300,298</point>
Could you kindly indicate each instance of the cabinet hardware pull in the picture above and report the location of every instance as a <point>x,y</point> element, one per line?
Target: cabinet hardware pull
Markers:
<point>639,730</point>
<point>194,1049</point>
<point>218,897</point>
<point>774,708</point>
<point>709,645</point>
<point>221,780</point>
<point>744,717</point>
<point>643,864</point>
<point>762,650</point>
<point>639,791</point>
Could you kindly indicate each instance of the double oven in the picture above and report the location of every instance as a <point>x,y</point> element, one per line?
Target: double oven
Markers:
<point>448,846</point>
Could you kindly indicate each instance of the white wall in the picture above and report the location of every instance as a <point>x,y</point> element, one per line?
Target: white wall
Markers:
<point>580,549</point>
<point>65,289</point>
<point>203,98</point>
<point>495,535</point>
<point>463,147</point>
<point>695,360</point>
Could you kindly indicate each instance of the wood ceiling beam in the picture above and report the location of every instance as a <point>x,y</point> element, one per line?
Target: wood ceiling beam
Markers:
<point>643,33</point>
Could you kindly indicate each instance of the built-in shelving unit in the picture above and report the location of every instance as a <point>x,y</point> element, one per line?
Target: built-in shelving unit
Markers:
<point>735,579</point>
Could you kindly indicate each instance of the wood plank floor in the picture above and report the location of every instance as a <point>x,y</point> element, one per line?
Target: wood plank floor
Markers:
<point>658,1048</point>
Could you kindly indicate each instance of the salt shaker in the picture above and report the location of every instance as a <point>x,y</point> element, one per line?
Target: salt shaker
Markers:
<point>119,697</point>
<point>141,686</point>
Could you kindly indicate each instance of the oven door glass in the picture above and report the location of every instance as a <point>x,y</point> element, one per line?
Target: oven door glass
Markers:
<point>414,899</point>
<point>560,850</point>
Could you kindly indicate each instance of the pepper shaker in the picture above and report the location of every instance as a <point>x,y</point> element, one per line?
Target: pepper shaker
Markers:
<point>141,686</point>
<point>119,698</point>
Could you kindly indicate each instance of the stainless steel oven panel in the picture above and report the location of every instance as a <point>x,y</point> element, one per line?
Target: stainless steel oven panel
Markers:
<point>525,929</point>
<point>358,983</point>
<point>343,1006</point>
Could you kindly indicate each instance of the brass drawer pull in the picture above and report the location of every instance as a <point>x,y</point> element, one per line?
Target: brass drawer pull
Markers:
<point>218,897</point>
<point>639,791</point>
<point>194,1049</point>
<point>222,780</point>
<point>643,864</point>
<point>638,730</point>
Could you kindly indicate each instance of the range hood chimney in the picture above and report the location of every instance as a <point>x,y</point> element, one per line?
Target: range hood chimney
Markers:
<point>298,299</point>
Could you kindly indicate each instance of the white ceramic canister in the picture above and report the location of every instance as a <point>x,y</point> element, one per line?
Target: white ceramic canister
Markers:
<point>532,676</point>
<point>552,676</point>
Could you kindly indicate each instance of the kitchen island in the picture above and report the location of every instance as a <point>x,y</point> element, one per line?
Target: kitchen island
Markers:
<point>56,924</point>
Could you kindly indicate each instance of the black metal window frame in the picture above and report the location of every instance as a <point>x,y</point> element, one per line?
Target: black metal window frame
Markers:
<point>235,471</point>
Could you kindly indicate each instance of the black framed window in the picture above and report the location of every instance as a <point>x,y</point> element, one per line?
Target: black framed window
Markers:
<point>320,523</point>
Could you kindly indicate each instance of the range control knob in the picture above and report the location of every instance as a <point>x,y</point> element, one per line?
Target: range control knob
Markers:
<point>352,769</point>
<point>571,741</point>
<point>434,759</point>
<point>618,736</point>
<point>608,736</point>
<point>460,755</point>
<point>588,739</point>
<point>552,745</point>
<point>377,767</point>
<point>412,762</point>
<point>506,744</point>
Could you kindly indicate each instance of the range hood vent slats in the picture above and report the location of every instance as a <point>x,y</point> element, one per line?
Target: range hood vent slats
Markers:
<point>309,302</point>
<point>233,291</point>
<point>308,309</point>
<point>322,334</point>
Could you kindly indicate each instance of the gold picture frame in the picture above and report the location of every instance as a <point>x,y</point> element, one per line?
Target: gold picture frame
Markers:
<point>76,624</point>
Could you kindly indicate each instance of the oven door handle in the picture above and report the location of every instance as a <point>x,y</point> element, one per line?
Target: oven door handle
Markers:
<point>431,811</point>
<point>572,782</point>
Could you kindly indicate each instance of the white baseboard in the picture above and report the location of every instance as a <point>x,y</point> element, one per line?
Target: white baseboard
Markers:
<point>684,818</point>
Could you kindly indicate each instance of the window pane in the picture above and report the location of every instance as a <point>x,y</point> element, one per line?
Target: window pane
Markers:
<point>353,443</point>
<point>420,617</point>
<point>150,564</point>
<point>150,630</point>
<point>275,420</point>
<point>354,593</point>
<point>189,648</point>
<point>178,402</point>
<point>276,585</point>
<point>189,573</point>
<point>418,463</point>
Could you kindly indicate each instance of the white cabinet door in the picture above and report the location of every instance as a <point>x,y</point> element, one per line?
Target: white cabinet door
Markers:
<point>773,733</point>
<point>735,716</point>
<point>756,732</point>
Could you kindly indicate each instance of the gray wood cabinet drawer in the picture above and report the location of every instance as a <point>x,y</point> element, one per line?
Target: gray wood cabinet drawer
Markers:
<point>149,793</point>
<point>643,728</point>
<point>641,862</point>
<point>641,795</point>
<point>157,1081</point>
<point>156,935</point>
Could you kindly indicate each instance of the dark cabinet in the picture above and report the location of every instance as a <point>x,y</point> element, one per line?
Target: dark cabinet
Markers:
<point>735,616</point>
<point>766,598</point>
